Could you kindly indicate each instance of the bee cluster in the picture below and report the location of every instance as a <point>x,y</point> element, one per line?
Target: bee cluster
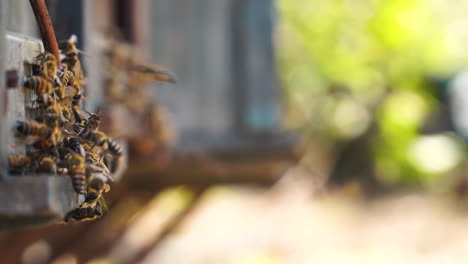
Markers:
<point>62,138</point>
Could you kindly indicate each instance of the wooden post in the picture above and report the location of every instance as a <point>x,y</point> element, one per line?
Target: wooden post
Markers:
<point>45,27</point>
<point>3,123</point>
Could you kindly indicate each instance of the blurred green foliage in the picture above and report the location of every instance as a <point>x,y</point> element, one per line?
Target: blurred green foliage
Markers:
<point>348,65</point>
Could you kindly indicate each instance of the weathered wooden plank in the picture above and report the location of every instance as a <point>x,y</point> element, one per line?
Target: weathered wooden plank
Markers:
<point>3,155</point>
<point>35,200</point>
<point>19,49</point>
<point>21,18</point>
<point>192,39</point>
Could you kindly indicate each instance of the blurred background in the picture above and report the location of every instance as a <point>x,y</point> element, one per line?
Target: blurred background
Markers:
<point>321,131</point>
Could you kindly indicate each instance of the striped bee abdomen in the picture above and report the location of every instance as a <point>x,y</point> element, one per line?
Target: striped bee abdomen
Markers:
<point>114,147</point>
<point>78,179</point>
<point>39,84</point>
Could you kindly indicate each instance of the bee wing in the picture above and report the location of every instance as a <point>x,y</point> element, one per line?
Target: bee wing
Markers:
<point>83,52</point>
<point>103,204</point>
<point>103,172</point>
<point>79,75</point>
<point>73,38</point>
<point>98,169</point>
<point>109,176</point>
<point>153,72</point>
<point>77,115</point>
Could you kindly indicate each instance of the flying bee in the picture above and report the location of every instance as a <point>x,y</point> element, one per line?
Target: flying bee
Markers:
<point>77,171</point>
<point>19,163</point>
<point>47,165</point>
<point>87,212</point>
<point>32,128</point>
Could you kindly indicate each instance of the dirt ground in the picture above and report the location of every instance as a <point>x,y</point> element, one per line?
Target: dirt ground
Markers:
<point>290,224</point>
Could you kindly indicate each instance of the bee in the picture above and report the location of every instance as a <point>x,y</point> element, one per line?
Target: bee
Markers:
<point>48,65</point>
<point>47,165</point>
<point>40,85</point>
<point>77,171</point>
<point>106,144</point>
<point>50,119</point>
<point>33,128</point>
<point>92,122</point>
<point>74,144</point>
<point>48,136</point>
<point>51,141</point>
<point>86,212</point>
<point>52,115</point>
<point>69,50</point>
<point>96,186</point>
<point>66,113</point>
<point>93,155</point>
<point>66,78</point>
<point>96,137</point>
<point>19,163</point>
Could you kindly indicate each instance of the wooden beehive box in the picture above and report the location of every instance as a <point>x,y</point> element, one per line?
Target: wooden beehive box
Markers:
<point>26,199</point>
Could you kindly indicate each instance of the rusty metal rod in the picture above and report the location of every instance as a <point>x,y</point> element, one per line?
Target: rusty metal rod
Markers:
<point>45,27</point>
